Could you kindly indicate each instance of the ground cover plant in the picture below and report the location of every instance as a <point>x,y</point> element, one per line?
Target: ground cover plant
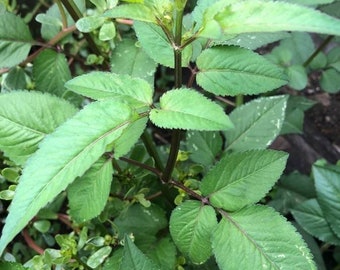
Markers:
<point>139,134</point>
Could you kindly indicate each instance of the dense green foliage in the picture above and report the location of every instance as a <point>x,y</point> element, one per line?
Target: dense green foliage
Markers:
<point>86,106</point>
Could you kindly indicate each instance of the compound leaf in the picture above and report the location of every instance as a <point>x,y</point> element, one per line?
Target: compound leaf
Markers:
<point>230,70</point>
<point>101,85</point>
<point>191,224</point>
<point>263,238</point>
<point>62,156</point>
<point>15,40</point>
<point>243,178</point>
<point>26,118</point>
<point>258,123</point>
<point>88,194</point>
<point>327,184</point>
<point>187,109</point>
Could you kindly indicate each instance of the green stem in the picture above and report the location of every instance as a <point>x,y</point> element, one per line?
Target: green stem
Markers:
<point>75,13</point>
<point>318,50</point>
<point>62,14</point>
<point>151,148</point>
<point>176,134</point>
<point>239,100</point>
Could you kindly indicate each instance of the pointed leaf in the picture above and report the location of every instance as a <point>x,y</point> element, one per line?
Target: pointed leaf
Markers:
<point>62,156</point>
<point>15,79</point>
<point>129,58</point>
<point>88,194</point>
<point>311,218</point>
<point>136,11</point>
<point>240,179</point>
<point>101,85</point>
<point>141,221</point>
<point>157,46</point>
<point>163,252</point>
<point>130,136</point>
<point>134,259</point>
<point>229,70</point>
<point>327,184</point>
<point>258,123</point>
<point>51,71</point>
<point>204,146</point>
<point>99,257</point>
<point>263,238</point>
<point>26,118</point>
<point>235,17</point>
<point>187,109</point>
<point>191,225</point>
<point>15,40</point>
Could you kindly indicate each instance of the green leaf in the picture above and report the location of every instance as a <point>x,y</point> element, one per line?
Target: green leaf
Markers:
<point>204,146</point>
<point>26,118</point>
<point>156,45</point>
<point>310,217</point>
<point>163,252</point>
<point>113,263</point>
<point>263,238</point>
<point>11,266</point>
<point>51,71</point>
<point>134,259</point>
<point>130,136</point>
<point>253,41</point>
<point>292,190</point>
<point>99,257</point>
<point>102,85</point>
<point>129,58</point>
<point>330,80</point>
<point>15,40</point>
<point>14,80</point>
<point>141,221</point>
<point>236,17</point>
<point>327,184</point>
<point>258,123</point>
<point>229,70</point>
<point>191,225</point>
<point>88,194</point>
<point>187,109</point>
<point>107,31</point>
<point>297,77</point>
<point>71,150</point>
<point>138,12</point>
<point>296,106</point>
<point>48,30</point>
<point>88,24</point>
<point>240,179</point>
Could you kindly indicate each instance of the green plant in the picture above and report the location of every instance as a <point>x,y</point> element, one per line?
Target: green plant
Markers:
<point>90,135</point>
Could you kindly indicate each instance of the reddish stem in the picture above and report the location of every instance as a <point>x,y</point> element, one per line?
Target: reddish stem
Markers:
<point>30,242</point>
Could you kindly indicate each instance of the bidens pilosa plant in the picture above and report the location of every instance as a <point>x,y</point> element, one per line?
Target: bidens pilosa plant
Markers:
<point>132,203</point>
